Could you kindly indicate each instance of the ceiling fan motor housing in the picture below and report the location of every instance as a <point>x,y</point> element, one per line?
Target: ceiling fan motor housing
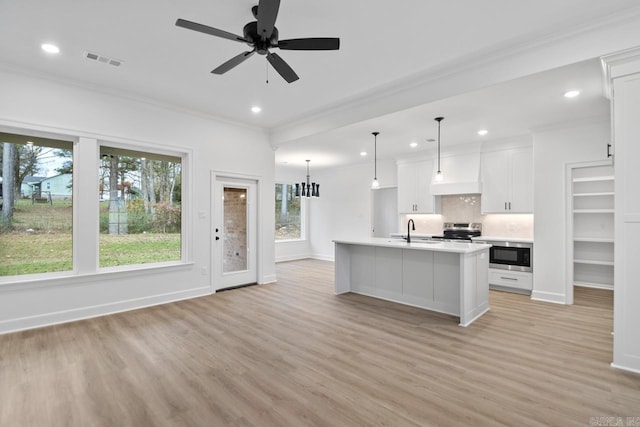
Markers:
<point>250,32</point>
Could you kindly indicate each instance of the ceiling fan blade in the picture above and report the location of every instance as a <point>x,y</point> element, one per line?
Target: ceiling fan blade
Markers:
<point>282,67</point>
<point>316,43</point>
<point>233,62</point>
<point>209,30</point>
<point>267,14</point>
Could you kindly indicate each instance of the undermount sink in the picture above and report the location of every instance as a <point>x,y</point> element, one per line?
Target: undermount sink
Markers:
<point>419,242</point>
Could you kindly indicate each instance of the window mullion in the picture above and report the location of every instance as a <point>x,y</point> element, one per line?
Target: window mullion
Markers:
<point>86,218</point>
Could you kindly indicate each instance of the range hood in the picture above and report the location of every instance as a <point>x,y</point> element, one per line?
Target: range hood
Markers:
<point>461,175</point>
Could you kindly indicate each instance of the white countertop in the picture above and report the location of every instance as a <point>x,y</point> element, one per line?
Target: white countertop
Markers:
<point>502,239</point>
<point>456,247</point>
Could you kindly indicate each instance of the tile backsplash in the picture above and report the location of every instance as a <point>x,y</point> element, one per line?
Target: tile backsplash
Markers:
<point>466,208</point>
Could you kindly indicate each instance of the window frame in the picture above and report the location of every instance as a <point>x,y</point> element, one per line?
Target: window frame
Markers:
<point>185,197</point>
<point>85,220</point>
<point>303,218</point>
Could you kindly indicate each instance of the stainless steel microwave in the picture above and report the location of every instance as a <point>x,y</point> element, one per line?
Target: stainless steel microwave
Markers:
<point>514,256</point>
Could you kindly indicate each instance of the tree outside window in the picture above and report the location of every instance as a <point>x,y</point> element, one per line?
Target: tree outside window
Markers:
<point>140,207</point>
<point>288,214</point>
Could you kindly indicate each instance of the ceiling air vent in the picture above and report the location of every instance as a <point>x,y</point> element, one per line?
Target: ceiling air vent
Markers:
<point>101,58</point>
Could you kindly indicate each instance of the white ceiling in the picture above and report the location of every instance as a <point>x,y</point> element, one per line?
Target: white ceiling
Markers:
<point>506,110</point>
<point>382,42</point>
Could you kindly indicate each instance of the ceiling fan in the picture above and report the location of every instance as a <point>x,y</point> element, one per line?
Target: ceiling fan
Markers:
<point>262,35</point>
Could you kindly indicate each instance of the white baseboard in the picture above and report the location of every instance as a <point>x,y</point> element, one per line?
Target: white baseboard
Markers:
<point>548,297</point>
<point>330,257</point>
<point>269,278</point>
<point>55,318</point>
<point>624,368</point>
<point>292,258</point>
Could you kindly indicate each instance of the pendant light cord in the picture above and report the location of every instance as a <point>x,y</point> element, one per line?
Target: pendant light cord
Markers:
<point>375,154</point>
<point>439,119</point>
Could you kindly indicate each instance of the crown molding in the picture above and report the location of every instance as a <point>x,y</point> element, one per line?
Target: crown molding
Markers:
<point>498,63</point>
<point>618,64</point>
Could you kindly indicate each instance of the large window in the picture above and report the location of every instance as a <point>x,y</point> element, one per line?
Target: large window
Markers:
<point>140,207</point>
<point>36,223</point>
<point>288,214</point>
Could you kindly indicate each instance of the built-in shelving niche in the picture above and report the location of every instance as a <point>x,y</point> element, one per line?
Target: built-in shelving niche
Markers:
<point>592,196</point>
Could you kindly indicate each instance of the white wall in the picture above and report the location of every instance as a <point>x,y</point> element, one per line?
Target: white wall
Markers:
<point>35,103</point>
<point>552,150</point>
<point>344,209</point>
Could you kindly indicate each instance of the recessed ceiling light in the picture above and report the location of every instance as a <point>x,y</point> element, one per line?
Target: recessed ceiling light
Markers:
<point>363,153</point>
<point>413,144</point>
<point>50,48</point>
<point>255,109</point>
<point>483,132</point>
<point>572,94</point>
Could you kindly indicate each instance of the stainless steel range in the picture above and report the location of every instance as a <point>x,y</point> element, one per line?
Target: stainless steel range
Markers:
<point>457,231</point>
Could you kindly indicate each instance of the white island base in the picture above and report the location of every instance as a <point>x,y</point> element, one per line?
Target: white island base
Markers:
<point>449,278</point>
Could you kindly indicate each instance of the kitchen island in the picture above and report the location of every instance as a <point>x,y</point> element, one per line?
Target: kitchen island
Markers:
<point>447,277</point>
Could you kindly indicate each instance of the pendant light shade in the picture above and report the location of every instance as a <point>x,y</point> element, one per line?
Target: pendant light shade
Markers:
<point>309,189</point>
<point>439,176</point>
<point>375,184</point>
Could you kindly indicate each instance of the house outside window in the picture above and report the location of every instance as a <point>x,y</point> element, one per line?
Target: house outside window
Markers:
<point>36,219</point>
<point>289,213</point>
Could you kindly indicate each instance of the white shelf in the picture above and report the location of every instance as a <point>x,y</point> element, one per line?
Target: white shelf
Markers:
<point>592,204</point>
<point>594,178</point>
<point>593,262</point>
<point>594,239</point>
<point>605,193</point>
<point>592,211</point>
<point>594,285</point>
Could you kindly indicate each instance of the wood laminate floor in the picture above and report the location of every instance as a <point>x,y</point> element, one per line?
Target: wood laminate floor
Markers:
<point>294,354</point>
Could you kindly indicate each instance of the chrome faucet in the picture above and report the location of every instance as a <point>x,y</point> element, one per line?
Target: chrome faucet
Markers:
<point>413,224</point>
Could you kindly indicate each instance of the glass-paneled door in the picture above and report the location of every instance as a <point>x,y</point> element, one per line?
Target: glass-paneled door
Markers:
<point>234,232</point>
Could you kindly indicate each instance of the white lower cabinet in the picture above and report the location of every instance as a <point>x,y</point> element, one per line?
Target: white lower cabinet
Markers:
<point>511,279</point>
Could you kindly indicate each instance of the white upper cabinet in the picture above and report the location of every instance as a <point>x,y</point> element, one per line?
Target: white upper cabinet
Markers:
<point>414,180</point>
<point>507,181</point>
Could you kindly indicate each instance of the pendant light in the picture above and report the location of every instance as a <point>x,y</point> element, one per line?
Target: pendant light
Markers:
<point>439,176</point>
<point>375,184</point>
<point>309,189</point>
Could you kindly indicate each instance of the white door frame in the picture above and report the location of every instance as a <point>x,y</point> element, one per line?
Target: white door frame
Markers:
<point>215,248</point>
